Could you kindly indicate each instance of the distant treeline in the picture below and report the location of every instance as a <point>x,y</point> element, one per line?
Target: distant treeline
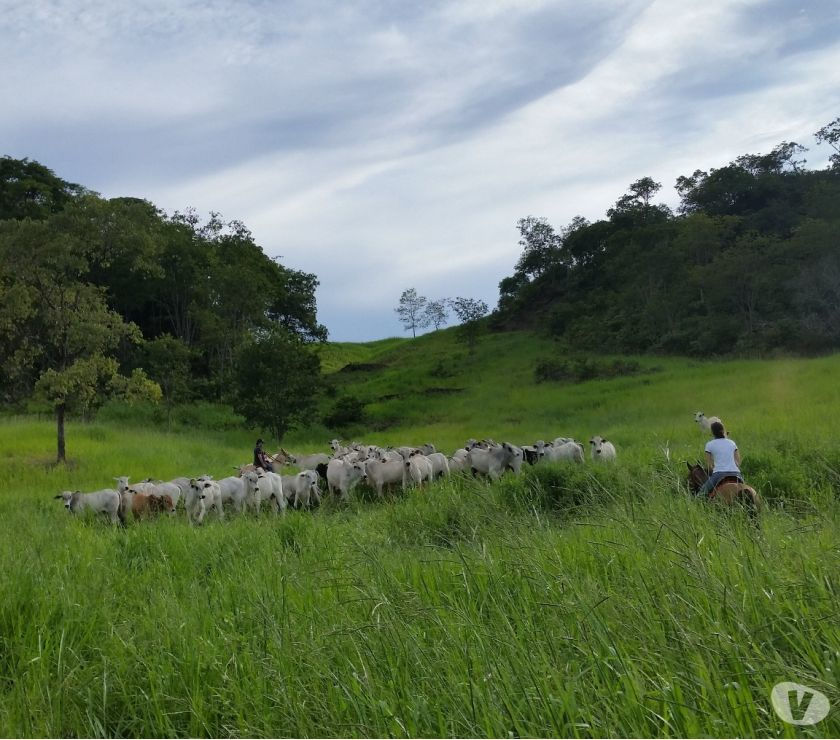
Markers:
<point>749,263</point>
<point>92,290</point>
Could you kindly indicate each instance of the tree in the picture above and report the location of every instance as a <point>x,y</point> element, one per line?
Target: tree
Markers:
<point>540,246</point>
<point>62,321</point>
<point>635,204</point>
<point>276,378</point>
<point>830,134</point>
<point>469,311</point>
<point>411,311</point>
<point>167,360</point>
<point>436,313</point>
<point>30,190</point>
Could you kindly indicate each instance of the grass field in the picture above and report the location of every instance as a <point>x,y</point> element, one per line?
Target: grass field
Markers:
<point>569,601</point>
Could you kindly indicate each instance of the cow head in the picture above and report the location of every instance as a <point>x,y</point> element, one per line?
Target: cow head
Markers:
<point>70,498</point>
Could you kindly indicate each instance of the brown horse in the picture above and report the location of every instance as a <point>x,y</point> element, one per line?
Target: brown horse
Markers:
<point>729,490</point>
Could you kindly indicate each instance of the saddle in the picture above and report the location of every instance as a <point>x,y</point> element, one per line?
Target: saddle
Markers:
<point>722,481</point>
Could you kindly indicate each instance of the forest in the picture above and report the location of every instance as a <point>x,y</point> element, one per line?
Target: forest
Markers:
<point>749,264</point>
<point>103,298</point>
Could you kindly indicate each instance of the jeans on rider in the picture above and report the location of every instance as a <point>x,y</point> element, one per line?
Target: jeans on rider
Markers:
<point>716,478</point>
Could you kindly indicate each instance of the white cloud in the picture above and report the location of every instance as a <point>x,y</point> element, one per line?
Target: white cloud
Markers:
<point>388,146</point>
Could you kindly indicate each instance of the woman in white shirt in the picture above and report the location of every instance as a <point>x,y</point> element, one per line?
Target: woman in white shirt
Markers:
<point>722,457</point>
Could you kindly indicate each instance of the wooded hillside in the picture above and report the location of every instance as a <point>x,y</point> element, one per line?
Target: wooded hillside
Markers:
<point>749,262</point>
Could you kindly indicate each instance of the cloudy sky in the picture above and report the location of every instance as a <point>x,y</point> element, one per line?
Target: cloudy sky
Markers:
<point>385,145</point>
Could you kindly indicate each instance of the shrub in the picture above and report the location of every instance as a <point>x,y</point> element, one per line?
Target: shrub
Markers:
<point>346,411</point>
<point>579,369</point>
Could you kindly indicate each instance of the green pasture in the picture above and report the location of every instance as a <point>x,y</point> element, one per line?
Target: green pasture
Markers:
<point>593,601</point>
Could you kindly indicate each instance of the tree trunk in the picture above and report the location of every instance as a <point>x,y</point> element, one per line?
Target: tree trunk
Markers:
<point>59,418</point>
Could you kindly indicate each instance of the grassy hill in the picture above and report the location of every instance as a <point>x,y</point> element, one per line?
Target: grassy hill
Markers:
<point>432,389</point>
<point>567,602</point>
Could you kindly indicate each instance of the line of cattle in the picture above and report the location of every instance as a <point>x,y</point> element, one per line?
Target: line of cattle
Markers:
<point>347,466</point>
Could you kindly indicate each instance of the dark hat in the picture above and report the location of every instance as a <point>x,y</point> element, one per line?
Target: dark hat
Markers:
<point>259,441</point>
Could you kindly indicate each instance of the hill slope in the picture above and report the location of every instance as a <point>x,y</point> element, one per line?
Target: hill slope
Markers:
<point>432,389</point>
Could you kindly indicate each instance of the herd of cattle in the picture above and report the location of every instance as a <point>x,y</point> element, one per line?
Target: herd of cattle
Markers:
<point>380,468</point>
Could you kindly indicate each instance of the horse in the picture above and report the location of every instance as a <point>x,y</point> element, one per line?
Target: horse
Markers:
<point>729,490</point>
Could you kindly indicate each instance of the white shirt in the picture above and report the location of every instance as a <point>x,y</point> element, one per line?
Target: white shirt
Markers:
<point>723,453</point>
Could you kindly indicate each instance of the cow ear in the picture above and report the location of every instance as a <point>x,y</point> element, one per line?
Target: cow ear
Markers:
<point>688,464</point>
<point>58,496</point>
<point>605,440</point>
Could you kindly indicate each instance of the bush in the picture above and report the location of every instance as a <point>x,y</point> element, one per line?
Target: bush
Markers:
<point>348,410</point>
<point>577,370</point>
<point>200,415</point>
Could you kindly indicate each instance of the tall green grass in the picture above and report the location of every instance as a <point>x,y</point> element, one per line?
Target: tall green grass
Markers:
<point>568,601</point>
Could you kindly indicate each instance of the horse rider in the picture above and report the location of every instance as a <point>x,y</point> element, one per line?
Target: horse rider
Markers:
<point>723,459</point>
<point>261,459</point>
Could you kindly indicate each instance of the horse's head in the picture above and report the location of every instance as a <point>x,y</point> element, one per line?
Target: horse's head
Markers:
<point>697,476</point>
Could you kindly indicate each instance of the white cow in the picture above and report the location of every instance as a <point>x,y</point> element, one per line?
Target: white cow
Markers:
<point>418,469</point>
<point>302,488</point>
<point>602,449</point>
<point>310,462</point>
<point>705,422</point>
<point>265,486</point>
<point>123,484</point>
<point>458,463</point>
<point>382,473</point>
<point>204,494</point>
<point>343,476</point>
<point>107,501</point>
<point>494,461</point>
<point>233,490</point>
<point>257,488</point>
<point>440,465</point>
<point>568,451</point>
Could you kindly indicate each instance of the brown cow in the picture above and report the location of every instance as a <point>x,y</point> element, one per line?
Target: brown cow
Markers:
<point>145,505</point>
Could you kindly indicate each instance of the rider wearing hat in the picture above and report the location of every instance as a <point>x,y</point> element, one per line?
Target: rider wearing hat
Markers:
<point>261,459</point>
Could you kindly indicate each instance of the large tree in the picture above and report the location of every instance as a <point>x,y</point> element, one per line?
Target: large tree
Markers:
<point>276,379</point>
<point>64,332</point>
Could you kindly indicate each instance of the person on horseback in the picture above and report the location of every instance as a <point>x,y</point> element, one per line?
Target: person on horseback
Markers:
<point>261,459</point>
<point>723,459</point>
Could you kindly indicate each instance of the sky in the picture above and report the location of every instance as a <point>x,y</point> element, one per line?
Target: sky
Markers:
<point>387,145</point>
